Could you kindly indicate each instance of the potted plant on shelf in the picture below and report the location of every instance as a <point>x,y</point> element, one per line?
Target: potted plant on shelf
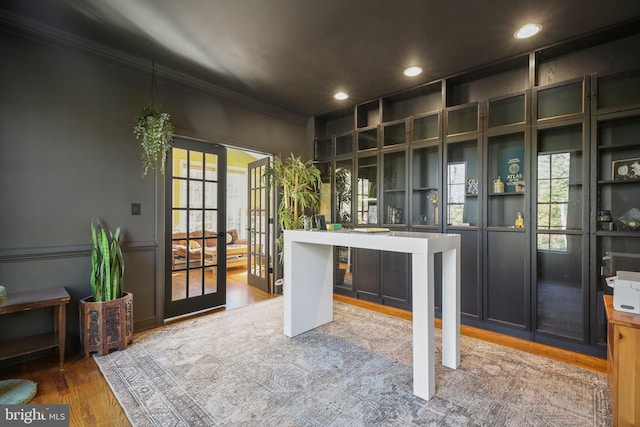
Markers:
<point>155,132</point>
<point>106,317</point>
<point>299,183</point>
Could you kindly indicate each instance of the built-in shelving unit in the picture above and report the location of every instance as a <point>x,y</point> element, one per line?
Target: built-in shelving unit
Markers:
<point>523,159</point>
<point>615,187</point>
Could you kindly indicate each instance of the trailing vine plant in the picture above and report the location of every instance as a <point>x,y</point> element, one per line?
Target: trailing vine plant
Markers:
<point>155,132</point>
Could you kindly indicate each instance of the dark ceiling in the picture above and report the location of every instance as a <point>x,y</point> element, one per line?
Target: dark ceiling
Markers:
<point>295,54</point>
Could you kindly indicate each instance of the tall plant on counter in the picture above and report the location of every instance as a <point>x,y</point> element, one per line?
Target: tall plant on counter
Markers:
<point>299,184</point>
<point>155,132</point>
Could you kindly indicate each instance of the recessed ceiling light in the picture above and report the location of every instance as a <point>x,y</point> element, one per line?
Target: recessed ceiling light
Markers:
<point>341,96</point>
<point>412,71</point>
<point>528,30</point>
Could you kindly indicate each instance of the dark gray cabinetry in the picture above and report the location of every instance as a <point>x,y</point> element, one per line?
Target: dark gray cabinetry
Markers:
<point>529,160</point>
<point>383,277</point>
<point>615,185</point>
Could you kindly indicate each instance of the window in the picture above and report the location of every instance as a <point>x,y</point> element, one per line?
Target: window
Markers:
<point>457,174</point>
<point>553,199</point>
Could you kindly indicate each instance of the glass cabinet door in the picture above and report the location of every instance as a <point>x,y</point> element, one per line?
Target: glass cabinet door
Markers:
<point>394,134</point>
<point>506,164</point>
<point>560,245</point>
<point>343,191</point>
<point>559,178</point>
<point>324,148</point>
<point>367,191</point>
<point>344,144</point>
<point>462,173</point>
<point>325,191</point>
<point>368,139</point>
<point>395,184</point>
<point>425,186</point>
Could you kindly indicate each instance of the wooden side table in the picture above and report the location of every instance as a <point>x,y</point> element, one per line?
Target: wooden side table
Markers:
<point>623,364</point>
<point>32,300</point>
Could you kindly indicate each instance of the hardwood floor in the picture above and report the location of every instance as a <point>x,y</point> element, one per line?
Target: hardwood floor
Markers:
<point>91,402</point>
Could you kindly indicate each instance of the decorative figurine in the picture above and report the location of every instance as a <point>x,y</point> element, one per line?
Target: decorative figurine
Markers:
<point>498,186</point>
<point>434,201</point>
<point>519,221</point>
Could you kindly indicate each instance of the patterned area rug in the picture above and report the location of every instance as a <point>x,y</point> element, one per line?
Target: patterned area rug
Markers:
<point>236,368</point>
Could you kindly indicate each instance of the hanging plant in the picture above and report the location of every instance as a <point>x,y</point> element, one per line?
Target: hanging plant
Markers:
<point>155,132</point>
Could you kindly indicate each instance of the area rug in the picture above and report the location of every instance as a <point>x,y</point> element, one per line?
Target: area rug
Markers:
<point>236,368</point>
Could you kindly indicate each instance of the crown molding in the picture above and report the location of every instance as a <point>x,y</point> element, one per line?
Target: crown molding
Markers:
<point>47,34</point>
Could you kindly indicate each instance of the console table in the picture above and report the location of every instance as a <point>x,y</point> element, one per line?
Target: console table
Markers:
<point>32,300</point>
<point>308,289</point>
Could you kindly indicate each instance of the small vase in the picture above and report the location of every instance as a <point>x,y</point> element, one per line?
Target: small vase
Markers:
<point>498,186</point>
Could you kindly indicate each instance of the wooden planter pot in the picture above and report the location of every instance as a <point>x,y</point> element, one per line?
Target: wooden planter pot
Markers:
<point>106,325</point>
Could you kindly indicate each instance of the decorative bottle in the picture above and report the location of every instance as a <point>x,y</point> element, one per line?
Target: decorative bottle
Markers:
<point>498,186</point>
<point>519,221</point>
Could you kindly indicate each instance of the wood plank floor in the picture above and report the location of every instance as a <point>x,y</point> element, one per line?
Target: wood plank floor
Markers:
<point>91,402</point>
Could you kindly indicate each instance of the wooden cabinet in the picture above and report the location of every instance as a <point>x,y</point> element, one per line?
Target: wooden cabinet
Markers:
<point>623,364</point>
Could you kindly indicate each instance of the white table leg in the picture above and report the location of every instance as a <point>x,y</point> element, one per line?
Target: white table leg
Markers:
<point>451,308</point>
<point>309,303</point>
<point>424,375</point>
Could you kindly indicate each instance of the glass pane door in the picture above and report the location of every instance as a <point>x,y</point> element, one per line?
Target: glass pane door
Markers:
<point>196,182</point>
<point>259,226</point>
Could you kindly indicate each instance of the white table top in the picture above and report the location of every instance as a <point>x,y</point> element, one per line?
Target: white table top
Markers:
<point>392,241</point>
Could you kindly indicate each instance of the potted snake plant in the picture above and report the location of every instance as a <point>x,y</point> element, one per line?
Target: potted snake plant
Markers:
<point>106,317</point>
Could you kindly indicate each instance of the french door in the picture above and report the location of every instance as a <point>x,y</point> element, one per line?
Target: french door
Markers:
<point>195,227</point>
<point>260,226</point>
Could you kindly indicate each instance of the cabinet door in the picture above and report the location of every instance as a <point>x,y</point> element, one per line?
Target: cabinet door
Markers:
<point>559,288</point>
<point>325,189</point>
<point>462,167</point>
<point>470,273</point>
<point>628,393</point>
<point>506,167</point>
<point>344,270</point>
<point>396,279</point>
<point>343,184</point>
<point>561,245</point>
<point>367,191</point>
<point>506,290</point>
<point>367,269</point>
<point>425,181</point>
<point>395,184</point>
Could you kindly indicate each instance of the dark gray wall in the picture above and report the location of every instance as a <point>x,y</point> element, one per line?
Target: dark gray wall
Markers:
<point>68,155</point>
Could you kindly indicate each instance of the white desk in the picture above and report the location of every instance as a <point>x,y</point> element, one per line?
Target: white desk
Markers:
<point>308,289</point>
